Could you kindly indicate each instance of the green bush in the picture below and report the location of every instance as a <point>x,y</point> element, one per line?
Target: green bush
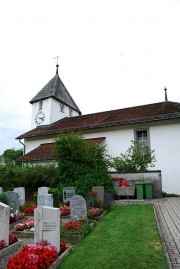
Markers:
<point>136,159</point>
<point>81,164</point>
<point>3,198</point>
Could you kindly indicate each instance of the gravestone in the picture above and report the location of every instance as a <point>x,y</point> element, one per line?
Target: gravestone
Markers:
<point>78,207</point>
<point>4,222</point>
<point>1,189</point>
<point>99,193</point>
<point>21,194</point>
<point>45,200</point>
<point>68,193</point>
<point>12,200</point>
<point>47,225</point>
<point>43,190</point>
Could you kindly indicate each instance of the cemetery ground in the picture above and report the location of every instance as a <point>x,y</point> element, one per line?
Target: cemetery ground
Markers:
<point>127,237</point>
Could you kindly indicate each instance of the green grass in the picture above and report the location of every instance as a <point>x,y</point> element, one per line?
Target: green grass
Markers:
<point>127,237</point>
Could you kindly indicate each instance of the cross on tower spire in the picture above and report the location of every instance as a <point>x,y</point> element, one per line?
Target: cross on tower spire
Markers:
<point>57,64</point>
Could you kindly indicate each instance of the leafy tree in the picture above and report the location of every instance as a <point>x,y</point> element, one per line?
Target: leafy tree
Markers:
<point>10,155</point>
<point>81,164</point>
<point>136,159</point>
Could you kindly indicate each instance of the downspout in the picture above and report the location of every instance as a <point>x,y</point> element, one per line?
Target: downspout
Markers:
<point>23,146</point>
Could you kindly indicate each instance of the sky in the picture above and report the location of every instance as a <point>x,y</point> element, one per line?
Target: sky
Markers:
<point>112,54</point>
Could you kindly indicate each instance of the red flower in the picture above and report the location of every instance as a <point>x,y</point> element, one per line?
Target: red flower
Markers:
<point>73,225</point>
<point>65,210</point>
<point>92,193</point>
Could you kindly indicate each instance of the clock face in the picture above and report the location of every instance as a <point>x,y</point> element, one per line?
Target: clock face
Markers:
<point>40,117</point>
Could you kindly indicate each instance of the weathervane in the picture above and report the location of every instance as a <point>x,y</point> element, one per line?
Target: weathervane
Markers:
<point>57,65</point>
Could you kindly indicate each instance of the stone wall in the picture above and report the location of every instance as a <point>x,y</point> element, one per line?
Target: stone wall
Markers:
<point>154,176</point>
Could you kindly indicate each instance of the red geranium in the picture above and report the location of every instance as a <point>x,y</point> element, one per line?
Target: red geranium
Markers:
<point>30,210</point>
<point>36,256</point>
<point>65,210</point>
<point>73,225</point>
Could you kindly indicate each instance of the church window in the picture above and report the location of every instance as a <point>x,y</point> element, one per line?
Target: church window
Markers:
<point>142,136</point>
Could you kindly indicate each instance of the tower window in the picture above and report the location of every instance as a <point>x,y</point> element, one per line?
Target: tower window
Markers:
<point>40,105</point>
<point>70,111</point>
<point>61,107</point>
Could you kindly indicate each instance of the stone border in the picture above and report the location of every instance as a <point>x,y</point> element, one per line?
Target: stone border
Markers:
<point>22,234</point>
<point>60,258</point>
<point>11,248</point>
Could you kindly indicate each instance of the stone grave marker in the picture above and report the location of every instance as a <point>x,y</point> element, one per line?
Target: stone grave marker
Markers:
<point>78,207</point>
<point>68,193</point>
<point>47,225</point>
<point>4,222</point>
<point>43,190</point>
<point>99,190</point>
<point>12,200</point>
<point>21,193</point>
<point>45,200</point>
<point>1,189</point>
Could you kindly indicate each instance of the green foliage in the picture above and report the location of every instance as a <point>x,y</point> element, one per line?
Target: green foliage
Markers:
<point>136,159</point>
<point>10,156</point>
<point>27,176</point>
<point>165,194</point>
<point>57,196</point>
<point>81,164</point>
<point>3,198</point>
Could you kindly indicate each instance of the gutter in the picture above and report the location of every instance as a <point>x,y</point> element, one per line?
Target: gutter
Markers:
<point>23,146</point>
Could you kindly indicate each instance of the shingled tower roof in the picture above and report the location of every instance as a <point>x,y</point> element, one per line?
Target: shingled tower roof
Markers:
<point>56,89</point>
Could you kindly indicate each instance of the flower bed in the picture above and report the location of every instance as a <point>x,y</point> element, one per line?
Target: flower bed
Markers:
<point>73,231</point>
<point>94,211</point>
<point>25,229</point>
<point>30,210</point>
<point>41,255</point>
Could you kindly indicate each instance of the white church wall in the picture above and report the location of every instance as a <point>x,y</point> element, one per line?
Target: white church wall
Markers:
<point>164,139</point>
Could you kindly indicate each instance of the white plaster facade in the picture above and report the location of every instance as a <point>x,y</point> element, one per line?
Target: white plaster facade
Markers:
<point>53,110</point>
<point>164,139</point>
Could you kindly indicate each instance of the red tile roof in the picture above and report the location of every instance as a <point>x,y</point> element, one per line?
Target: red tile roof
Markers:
<point>45,152</point>
<point>126,116</point>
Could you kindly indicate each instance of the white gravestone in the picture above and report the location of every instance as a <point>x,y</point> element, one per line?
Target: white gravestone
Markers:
<point>21,193</point>
<point>45,200</point>
<point>4,222</point>
<point>78,207</point>
<point>47,225</point>
<point>43,190</point>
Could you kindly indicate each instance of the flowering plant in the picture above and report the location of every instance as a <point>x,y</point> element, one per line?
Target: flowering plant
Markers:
<point>12,239</point>
<point>94,211</point>
<point>30,210</point>
<point>2,244</point>
<point>73,225</point>
<point>27,224</point>
<point>36,256</point>
<point>65,210</point>
<point>123,182</point>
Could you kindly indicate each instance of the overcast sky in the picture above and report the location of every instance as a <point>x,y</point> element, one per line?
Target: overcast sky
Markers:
<point>112,54</point>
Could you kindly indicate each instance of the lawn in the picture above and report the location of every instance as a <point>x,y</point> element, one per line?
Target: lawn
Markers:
<point>127,237</point>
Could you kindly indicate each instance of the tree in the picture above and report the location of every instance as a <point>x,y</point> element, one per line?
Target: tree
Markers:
<point>136,159</point>
<point>81,164</point>
<point>10,155</point>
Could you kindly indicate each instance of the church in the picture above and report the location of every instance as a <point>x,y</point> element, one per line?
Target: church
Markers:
<point>157,125</point>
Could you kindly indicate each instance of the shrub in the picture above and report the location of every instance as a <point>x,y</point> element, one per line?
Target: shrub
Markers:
<point>3,198</point>
<point>136,159</point>
<point>81,164</point>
